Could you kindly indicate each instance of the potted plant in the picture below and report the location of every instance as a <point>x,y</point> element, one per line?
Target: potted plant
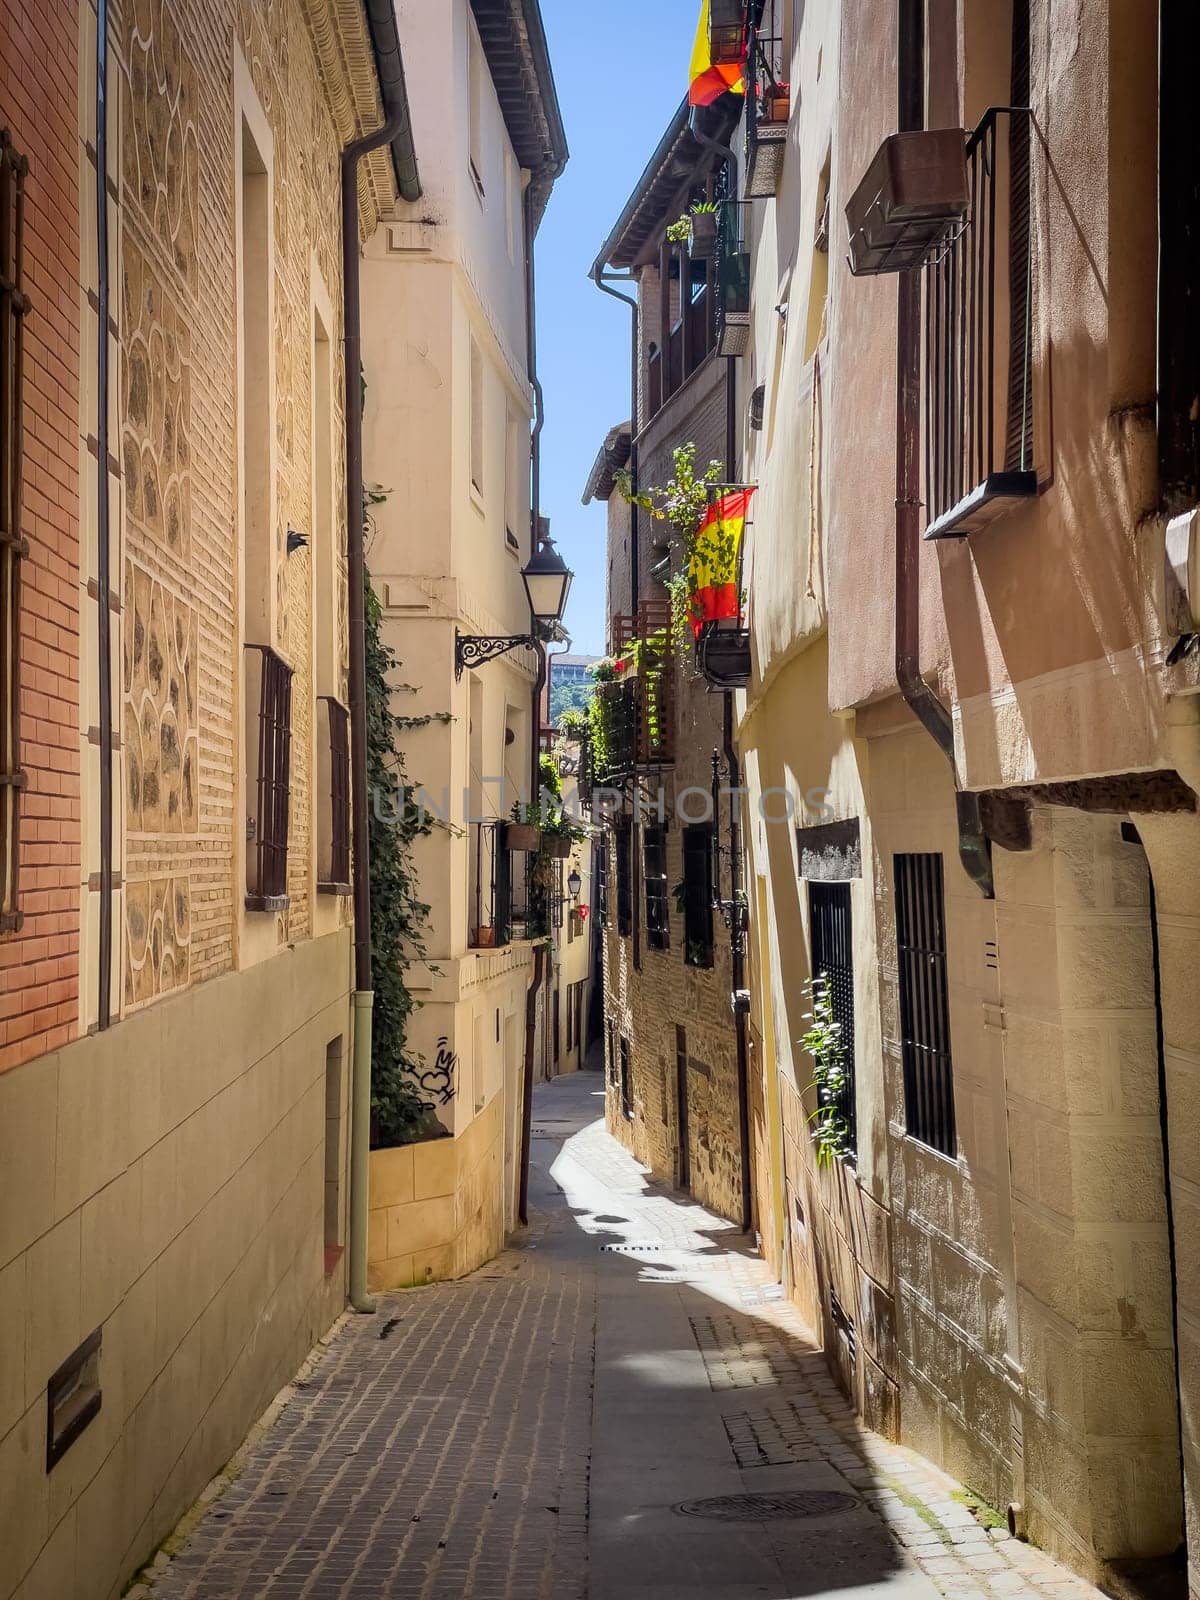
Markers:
<point>776,106</point>
<point>524,831</point>
<point>703,221</point>
<point>485,938</point>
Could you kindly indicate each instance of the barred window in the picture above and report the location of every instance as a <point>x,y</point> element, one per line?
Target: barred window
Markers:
<point>658,917</point>
<point>269,739</point>
<point>626,1086</point>
<point>833,960</point>
<point>333,787</point>
<point>924,1002</point>
<point>13,548</point>
<point>697,895</point>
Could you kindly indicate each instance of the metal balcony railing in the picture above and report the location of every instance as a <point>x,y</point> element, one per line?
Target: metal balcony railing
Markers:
<point>637,712</point>
<point>733,278</point>
<point>768,107</point>
<point>978,341</point>
<point>269,780</point>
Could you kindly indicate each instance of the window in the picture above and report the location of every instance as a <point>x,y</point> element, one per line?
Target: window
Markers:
<point>626,1089</point>
<point>697,895</point>
<point>833,959</point>
<point>658,917</point>
<point>333,790</point>
<point>13,306</point>
<point>924,1003</point>
<point>476,77</point>
<point>269,689</point>
<point>681,1105</point>
<point>476,418</point>
<point>333,1153</point>
<point>601,869</point>
<point>624,846</point>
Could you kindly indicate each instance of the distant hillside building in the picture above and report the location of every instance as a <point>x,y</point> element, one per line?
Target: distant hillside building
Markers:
<point>568,673</point>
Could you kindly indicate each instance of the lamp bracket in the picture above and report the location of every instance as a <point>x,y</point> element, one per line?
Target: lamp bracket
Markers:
<point>476,649</point>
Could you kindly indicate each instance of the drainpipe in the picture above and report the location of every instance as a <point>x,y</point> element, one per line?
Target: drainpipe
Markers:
<point>396,131</point>
<point>103,554</point>
<point>974,848</point>
<point>737,950</point>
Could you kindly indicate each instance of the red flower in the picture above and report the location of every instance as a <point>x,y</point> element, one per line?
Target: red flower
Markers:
<point>619,666</point>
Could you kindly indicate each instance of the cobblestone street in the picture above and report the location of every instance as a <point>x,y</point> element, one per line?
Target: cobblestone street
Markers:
<point>587,1416</point>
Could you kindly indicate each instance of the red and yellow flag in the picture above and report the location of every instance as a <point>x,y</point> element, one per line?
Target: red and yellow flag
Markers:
<point>714,562</point>
<point>709,79</point>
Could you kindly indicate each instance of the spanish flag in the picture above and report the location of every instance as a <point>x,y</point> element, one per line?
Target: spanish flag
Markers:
<point>710,79</point>
<point>715,559</point>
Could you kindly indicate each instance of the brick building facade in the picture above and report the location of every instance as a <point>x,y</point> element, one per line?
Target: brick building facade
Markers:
<point>39,960</point>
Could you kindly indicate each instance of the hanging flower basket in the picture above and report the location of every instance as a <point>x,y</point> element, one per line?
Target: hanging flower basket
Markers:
<point>522,837</point>
<point>557,846</point>
<point>704,235</point>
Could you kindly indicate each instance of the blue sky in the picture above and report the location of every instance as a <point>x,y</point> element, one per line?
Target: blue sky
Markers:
<point>621,70</point>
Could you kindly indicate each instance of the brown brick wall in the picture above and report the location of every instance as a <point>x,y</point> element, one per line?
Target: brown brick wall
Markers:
<point>39,965</point>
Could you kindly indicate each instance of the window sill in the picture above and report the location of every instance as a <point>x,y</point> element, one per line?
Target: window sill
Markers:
<point>477,499</point>
<point>267,902</point>
<point>342,889</point>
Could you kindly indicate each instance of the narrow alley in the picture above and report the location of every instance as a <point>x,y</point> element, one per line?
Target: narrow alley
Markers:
<point>623,1406</point>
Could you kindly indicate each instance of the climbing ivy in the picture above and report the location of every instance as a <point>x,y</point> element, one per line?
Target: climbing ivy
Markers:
<point>399,1115</point>
<point>683,502</point>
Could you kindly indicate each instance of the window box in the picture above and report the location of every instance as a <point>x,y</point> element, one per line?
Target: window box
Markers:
<point>703,244</point>
<point>911,199</point>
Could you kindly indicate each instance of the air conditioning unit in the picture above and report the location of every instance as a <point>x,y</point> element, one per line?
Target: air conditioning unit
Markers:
<point>1183,573</point>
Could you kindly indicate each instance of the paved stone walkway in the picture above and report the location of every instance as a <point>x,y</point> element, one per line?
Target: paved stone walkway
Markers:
<point>559,1425</point>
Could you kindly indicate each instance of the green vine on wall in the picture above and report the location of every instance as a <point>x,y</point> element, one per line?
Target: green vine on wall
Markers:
<point>683,502</point>
<point>823,1041</point>
<point>399,916</point>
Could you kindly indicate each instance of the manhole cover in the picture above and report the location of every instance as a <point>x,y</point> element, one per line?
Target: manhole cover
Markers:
<point>770,1507</point>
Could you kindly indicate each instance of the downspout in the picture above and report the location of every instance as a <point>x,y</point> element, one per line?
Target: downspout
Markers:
<point>974,848</point>
<point>396,131</point>
<point>740,998</point>
<point>103,554</point>
<point>535,739</point>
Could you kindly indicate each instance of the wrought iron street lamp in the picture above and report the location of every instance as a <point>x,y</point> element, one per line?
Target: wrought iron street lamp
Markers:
<point>574,883</point>
<point>547,580</point>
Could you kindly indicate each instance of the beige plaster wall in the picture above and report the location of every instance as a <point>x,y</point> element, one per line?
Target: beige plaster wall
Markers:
<point>165,1182</point>
<point>1033,1270</point>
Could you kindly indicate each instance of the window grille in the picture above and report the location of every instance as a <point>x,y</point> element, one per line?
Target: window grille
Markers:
<point>267,824</point>
<point>334,868</point>
<point>658,916</point>
<point>833,959</point>
<point>698,895</point>
<point>924,1001</point>
<point>14,304</point>
<point>491,887</point>
<point>626,1089</point>
<point>624,845</point>
<point>601,869</point>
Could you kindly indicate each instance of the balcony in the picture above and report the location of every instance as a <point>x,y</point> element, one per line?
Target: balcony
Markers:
<point>688,291</point>
<point>733,278</point>
<point>505,903</point>
<point>268,777</point>
<point>768,108</point>
<point>637,711</point>
<point>978,341</point>
<point>723,641</point>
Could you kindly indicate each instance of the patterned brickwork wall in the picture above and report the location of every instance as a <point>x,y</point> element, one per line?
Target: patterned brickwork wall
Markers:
<point>180,457</point>
<point>39,964</point>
